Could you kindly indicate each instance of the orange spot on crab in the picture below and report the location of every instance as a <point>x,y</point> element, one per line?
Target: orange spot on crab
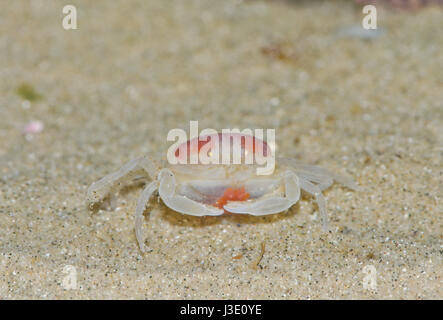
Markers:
<point>232,194</point>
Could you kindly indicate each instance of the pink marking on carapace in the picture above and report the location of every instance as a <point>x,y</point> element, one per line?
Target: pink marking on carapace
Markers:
<point>255,145</point>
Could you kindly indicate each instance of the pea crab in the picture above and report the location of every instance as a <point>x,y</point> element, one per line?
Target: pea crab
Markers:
<point>215,189</point>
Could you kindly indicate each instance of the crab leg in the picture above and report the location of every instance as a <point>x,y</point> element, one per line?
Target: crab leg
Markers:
<point>323,177</point>
<point>180,203</point>
<point>316,192</point>
<point>143,200</point>
<point>270,205</point>
<point>141,166</point>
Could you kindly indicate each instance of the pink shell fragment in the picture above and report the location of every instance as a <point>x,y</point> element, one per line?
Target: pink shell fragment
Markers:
<point>34,126</point>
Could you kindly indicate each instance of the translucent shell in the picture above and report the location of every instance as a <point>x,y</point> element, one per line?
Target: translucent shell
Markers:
<point>223,142</point>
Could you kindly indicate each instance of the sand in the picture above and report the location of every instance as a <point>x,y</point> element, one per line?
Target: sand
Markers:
<point>112,89</point>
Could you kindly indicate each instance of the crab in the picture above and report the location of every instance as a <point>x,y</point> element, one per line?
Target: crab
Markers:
<point>215,189</point>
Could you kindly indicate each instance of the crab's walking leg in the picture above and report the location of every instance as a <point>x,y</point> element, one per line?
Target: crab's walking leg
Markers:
<point>180,203</point>
<point>141,166</point>
<point>325,184</point>
<point>321,176</point>
<point>316,192</point>
<point>272,204</point>
<point>143,200</point>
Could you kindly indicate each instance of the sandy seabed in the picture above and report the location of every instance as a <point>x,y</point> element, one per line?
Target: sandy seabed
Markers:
<point>112,89</point>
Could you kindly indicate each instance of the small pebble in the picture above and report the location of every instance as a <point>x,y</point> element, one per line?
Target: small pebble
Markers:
<point>33,127</point>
